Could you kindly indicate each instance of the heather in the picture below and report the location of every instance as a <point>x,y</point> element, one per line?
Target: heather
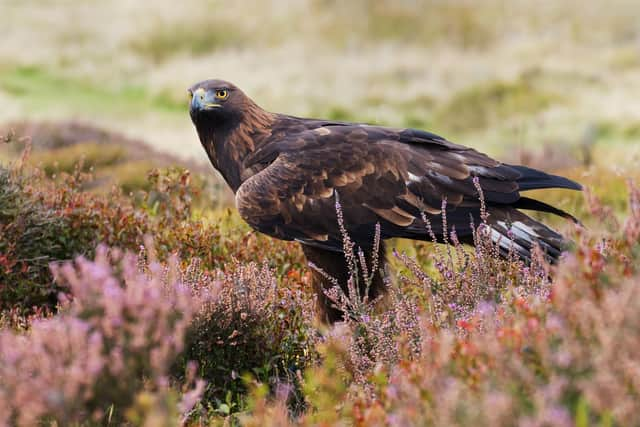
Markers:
<point>111,344</point>
<point>46,221</point>
<point>163,313</point>
<point>254,327</point>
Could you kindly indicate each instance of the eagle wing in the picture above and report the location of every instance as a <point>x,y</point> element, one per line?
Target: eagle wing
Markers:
<point>380,175</point>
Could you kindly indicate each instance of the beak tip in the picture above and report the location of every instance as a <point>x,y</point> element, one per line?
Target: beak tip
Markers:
<point>198,99</point>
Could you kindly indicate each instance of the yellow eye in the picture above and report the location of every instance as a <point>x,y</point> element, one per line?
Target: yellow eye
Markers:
<point>190,95</point>
<point>222,93</point>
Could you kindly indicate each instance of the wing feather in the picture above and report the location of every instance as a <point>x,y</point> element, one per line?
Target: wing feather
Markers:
<point>382,175</point>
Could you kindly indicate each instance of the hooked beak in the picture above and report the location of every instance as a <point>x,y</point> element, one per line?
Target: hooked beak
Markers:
<point>201,100</point>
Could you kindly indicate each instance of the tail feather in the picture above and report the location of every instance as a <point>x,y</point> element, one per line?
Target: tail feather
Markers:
<point>514,231</point>
<point>536,205</point>
<point>532,179</point>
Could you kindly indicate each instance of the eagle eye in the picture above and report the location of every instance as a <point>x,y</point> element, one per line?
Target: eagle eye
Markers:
<point>222,93</point>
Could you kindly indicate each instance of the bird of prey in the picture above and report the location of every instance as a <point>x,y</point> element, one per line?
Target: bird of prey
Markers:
<point>286,173</point>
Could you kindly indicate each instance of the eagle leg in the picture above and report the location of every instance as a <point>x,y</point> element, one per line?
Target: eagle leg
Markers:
<point>334,265</point>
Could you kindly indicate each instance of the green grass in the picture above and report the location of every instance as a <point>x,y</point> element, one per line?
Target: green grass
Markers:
<point>43,90</point>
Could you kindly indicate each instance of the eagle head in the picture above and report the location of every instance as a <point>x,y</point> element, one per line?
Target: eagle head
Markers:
<point>229,124</point>
<point>216,105</point>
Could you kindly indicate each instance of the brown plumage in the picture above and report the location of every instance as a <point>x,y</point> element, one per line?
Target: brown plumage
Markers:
<point>286,171</point>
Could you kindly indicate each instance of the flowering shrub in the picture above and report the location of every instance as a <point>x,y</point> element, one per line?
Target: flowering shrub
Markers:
<point>31,236</point>
<point>129,327</point>
<point>254,327</point>
<point>466,338</point>
<point>115,338</point>
<point>44,221</point>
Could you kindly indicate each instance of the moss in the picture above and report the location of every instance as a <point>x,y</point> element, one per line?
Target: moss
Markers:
<point>480,106</point>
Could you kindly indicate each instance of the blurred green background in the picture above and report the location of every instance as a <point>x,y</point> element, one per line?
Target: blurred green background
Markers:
<point>555,84</point>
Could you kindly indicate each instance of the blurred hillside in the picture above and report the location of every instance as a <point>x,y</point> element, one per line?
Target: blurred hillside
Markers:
<point>508,77</point>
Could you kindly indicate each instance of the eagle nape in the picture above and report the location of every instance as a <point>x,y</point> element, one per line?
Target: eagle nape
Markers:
<point>286,170</point>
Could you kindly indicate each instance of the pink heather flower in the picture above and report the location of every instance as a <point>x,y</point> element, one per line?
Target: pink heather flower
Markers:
<point>191,397</point>
<point>120,331</point>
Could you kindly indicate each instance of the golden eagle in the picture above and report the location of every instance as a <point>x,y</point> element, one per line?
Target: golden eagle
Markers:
<point>286,173</point>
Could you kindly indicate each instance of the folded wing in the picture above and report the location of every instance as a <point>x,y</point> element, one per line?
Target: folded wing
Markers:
<point>390,176</point>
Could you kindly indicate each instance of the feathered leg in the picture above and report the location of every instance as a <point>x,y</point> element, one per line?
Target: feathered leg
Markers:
<point>335,265</point>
